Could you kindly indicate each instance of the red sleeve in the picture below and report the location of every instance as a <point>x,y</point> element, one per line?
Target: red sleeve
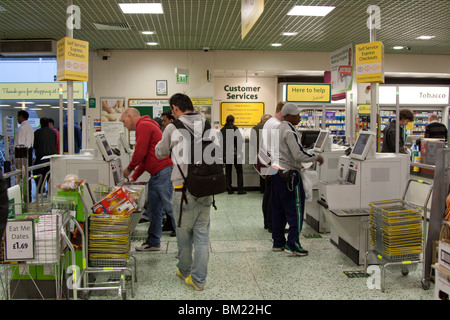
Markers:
<point>143,137</point>
<point>137,173</point>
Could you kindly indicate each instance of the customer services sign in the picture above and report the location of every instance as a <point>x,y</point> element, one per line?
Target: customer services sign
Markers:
<point>72,59</point>
<point>369,62</point>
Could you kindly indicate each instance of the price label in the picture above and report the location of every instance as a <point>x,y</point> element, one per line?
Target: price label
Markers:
<point>19,240</point>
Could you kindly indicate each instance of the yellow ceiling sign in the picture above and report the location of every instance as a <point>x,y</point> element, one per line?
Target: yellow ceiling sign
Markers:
<point>72,59</point>
<point>251,10</point>
<point>38,90</point>
<point>369,62</point>
<point>246,114</point>
<point>316,93</point>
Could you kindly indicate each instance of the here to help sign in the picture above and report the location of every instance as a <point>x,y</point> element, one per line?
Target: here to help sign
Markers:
<point>19,240</point>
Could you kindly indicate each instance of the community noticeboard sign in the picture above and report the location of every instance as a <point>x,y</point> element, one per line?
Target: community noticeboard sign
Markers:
<point>369,62</point>
<point>316,93</point>
<point>72,59</point>
<point>246,114</point>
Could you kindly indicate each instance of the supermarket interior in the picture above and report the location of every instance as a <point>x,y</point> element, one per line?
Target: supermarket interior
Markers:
<point>356,92</point>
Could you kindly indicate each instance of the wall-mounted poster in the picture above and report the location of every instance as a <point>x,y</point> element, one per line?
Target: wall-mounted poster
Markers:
<point>161,87</point>
<point>111,112</point>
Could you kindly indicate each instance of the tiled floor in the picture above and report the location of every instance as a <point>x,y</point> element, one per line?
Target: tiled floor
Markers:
<point>243,267</point>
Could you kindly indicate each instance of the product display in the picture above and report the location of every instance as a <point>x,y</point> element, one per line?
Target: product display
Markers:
<point>118,202</point>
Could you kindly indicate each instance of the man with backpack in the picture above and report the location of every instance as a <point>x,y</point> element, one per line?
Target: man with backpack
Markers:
<point>192,200</point>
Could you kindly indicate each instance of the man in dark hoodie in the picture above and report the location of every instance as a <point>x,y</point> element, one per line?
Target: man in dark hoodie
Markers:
<point>44,145</point>
<point>160,188</point>
<point>232,144</point>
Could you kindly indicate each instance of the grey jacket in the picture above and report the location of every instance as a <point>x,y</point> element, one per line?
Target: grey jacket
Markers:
<point>290,154</point>
<point>171,143</point>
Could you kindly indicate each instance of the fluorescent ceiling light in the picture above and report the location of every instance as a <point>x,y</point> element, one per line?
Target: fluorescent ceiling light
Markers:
<point>141,7</point>
<point>43,105</point>
<point>147,32</point>
<point>276,44</point>
<point>5,105</point>
<point>289,33</point>
<point>25,102</point>
<point>317,11</point>
<point>19,107</point>
<point>35,109</point>
<point>425,37</point>
<point>398,47</point>
<point>152,43</point>
<point>54,107</point>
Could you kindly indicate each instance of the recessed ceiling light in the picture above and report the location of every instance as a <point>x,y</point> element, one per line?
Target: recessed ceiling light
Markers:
<point>425,37</point>
<point>289,33</point>
<point>152,43</point>
<point>398,47</point>
<point>317,11</point>
<point>141,7</point>
<point>147,32</point>
<point>276,44</point>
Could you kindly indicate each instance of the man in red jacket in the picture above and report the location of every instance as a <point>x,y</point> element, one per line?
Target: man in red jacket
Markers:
<point>160,188</point>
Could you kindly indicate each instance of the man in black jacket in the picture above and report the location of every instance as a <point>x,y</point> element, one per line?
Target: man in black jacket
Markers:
<point>232,153</point>
<point>388,145</point>
<point>44,145</point>
<point>435,129</point>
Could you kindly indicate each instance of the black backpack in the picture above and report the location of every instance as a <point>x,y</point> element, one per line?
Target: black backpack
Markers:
<point>202,179</point>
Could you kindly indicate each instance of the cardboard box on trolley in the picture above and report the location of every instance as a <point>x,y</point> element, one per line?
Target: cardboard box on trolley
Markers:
<point>118,202</point>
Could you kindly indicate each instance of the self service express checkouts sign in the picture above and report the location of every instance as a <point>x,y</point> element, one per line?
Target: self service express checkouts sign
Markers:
<point>369,62</point>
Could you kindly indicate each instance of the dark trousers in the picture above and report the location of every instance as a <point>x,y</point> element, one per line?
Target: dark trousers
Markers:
<point>288,202</point>
<point>239,174</point>
<point>267,205</point>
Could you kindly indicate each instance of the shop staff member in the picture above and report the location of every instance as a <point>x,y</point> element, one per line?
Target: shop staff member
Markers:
<point>435,129</point>
<point>193,234</point>
<point>388,145</point>
<point>25,136</point>
<point>160,188</point>
<point>288,195</point>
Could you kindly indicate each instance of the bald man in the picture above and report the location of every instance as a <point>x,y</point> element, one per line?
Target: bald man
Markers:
<point>160,188</point>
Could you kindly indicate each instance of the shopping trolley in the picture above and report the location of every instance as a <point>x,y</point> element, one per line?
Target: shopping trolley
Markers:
<point>108,249</point>
<point>40,255</point>
<point>398,231</point>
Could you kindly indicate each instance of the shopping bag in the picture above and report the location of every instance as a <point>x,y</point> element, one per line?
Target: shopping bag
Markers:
<point>310,179</point>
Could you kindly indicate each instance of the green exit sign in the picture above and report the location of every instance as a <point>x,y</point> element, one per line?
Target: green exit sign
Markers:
<point>181,78</point>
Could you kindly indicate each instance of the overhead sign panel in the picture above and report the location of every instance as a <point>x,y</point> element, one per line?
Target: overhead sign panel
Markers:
<point>369,62</point>
<point>251,10</point>
<point>315,93</point>
<point>72,59</point>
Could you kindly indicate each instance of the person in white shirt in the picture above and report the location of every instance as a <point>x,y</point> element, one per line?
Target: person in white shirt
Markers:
<point>267,150</point>
<point>25,133</point>
<point>25,136</point>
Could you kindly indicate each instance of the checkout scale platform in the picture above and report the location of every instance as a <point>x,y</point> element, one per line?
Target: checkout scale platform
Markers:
<point>359,178</point>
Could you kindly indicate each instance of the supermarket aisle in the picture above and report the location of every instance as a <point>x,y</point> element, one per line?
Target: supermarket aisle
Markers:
<point>243,267</point>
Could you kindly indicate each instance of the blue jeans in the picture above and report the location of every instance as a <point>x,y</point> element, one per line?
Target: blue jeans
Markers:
<point>193,235</point>
<point>160,191</point>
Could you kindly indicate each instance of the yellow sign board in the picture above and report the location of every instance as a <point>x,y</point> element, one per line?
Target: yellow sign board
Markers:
<point>246,114</point>
<point>251,10</point>
<point>38,90</point>
<point>369,62</point>
<point>201,101</point>
<point>72,59</point>
<point>316,93</point>
<point>364,109</point>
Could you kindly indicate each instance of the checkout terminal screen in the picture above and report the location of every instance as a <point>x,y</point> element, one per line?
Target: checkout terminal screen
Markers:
<point>320,140</point>
<point>361,144</point>
<point>106,145</point>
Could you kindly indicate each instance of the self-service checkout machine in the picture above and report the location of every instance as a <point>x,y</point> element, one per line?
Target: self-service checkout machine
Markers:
<point>363,176</point>
<point>102,166</point>
<point>327,172</point>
